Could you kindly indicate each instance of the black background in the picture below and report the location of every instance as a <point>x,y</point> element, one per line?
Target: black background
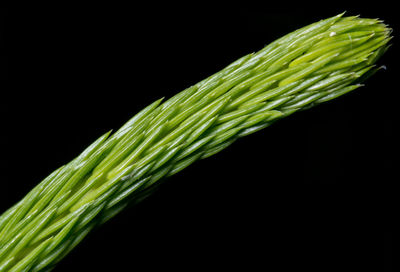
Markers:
<point>314,191</point>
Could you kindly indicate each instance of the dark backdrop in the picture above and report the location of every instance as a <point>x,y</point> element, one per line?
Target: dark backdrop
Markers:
<point>314,191</point>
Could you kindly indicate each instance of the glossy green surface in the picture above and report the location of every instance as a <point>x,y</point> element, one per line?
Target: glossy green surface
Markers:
<point>312,65</point>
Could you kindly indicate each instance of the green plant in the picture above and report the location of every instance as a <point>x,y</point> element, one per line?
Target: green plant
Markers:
<point>309,66</point>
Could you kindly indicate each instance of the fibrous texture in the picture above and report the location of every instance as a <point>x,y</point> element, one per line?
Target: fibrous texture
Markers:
<point>307,67</point>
